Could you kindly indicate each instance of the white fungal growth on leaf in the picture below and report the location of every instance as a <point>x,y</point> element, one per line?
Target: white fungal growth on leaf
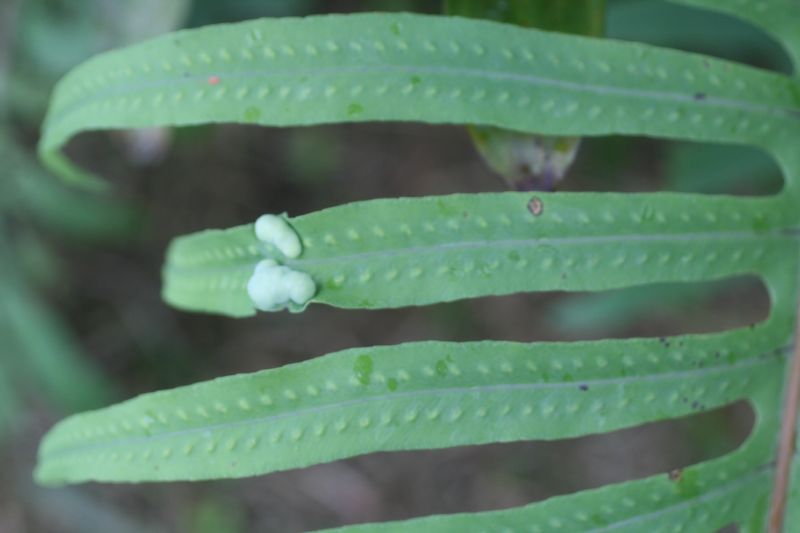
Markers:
<point>274,230</point>
<point>273,287</point>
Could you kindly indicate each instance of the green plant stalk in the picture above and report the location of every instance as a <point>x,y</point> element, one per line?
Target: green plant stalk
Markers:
<point>786,443</point>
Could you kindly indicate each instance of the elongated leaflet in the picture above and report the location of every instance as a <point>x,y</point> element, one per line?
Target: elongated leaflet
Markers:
<point>423,68</point>
<point>393,253</point>
<point>406,397</point>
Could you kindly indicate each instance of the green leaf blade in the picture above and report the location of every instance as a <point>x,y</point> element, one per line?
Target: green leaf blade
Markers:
<point>421,68</point>
<point>413,252</point>
<point>413,396</point>
<point>418,251</point>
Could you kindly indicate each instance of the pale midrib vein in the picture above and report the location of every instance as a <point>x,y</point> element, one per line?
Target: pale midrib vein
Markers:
<point>545,241</point>
<point>504,243</point>
<point>695,373</point>
<point>783,112</point>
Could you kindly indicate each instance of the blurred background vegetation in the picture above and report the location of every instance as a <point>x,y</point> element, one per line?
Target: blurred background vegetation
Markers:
<point>82,323</point>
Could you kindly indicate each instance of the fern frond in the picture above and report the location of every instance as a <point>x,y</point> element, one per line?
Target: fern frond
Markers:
<point>400,252</point>
<point>418,68</point>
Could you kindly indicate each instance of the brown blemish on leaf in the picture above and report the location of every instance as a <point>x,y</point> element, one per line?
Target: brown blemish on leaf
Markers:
<point>536,206</point>
<point>675,475</point>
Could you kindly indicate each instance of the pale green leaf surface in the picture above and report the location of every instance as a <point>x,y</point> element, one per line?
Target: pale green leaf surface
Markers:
<point>393,253</point>
<point>412,396</point>
<point>422,68</point>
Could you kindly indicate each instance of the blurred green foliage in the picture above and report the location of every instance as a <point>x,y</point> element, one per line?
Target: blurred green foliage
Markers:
<point>40,359</point>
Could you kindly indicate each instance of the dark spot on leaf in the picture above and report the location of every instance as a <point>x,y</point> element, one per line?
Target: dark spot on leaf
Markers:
<point>536,206</point>
<point>675,475</point>
<point>583,387</point>
<point>695,405</point>
<point>699,96</point>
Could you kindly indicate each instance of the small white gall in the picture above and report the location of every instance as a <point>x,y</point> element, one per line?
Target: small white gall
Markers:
<point>273,229</point>
<point>273,287</point>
